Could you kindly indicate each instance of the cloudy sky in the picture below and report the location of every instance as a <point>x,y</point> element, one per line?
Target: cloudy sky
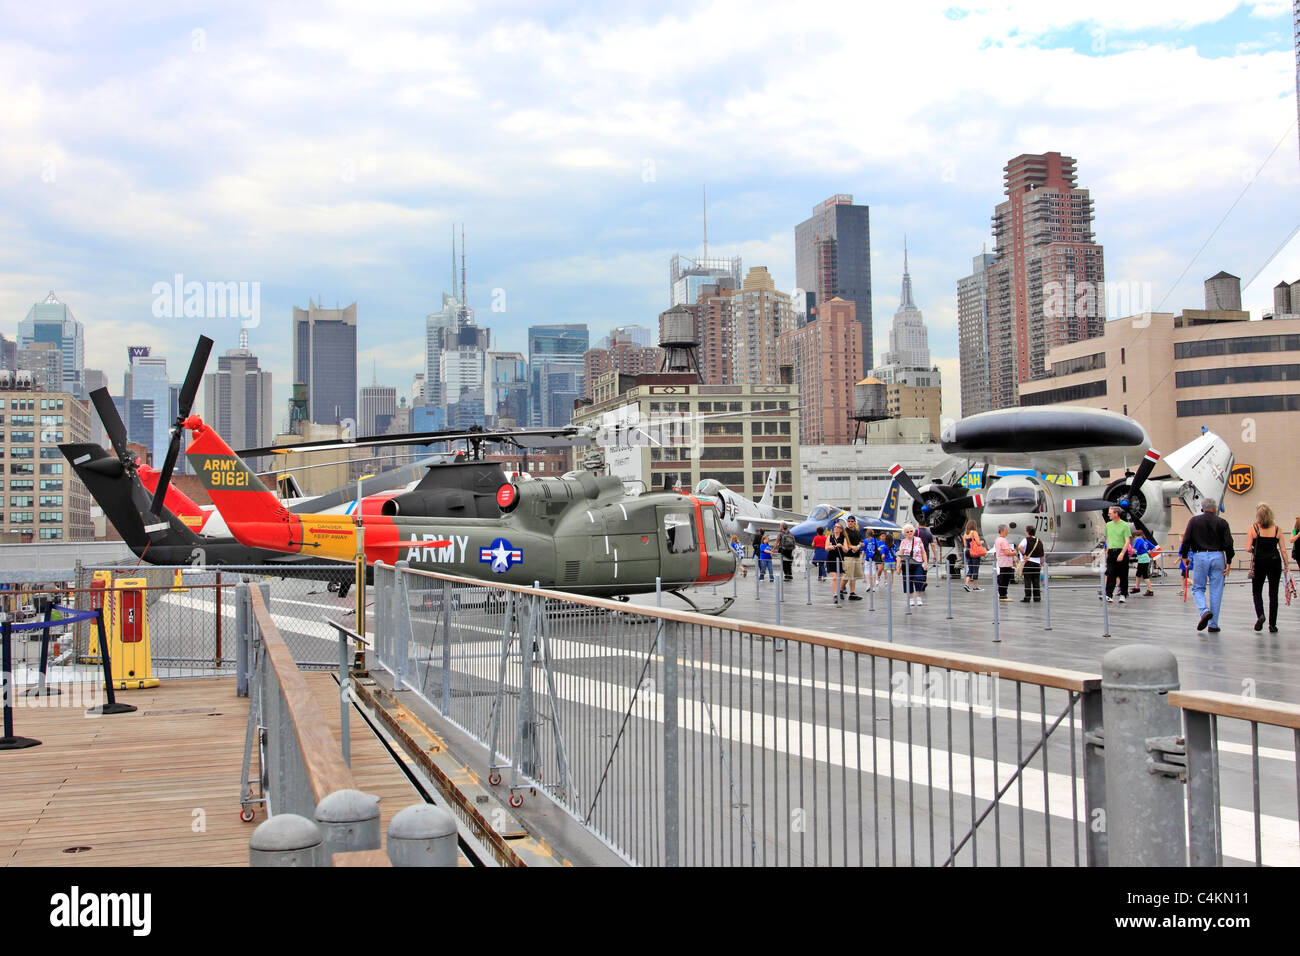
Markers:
<point>323,150</point>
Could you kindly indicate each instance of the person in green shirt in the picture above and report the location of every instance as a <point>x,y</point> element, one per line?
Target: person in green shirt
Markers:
<point>1119,534</point>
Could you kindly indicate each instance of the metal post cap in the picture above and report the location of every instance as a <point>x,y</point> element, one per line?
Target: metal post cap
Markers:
<point>347,806</point>
<point>421,821</point>
<point>1140,665</point>
<point>285,832</point>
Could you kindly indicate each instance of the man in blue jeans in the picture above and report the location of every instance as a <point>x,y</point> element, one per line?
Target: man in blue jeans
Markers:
<point>1207,540</point>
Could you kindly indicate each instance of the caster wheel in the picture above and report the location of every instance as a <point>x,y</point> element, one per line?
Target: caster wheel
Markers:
<point>494,778</point>
<point>247,814</point>
<point>516,800</point>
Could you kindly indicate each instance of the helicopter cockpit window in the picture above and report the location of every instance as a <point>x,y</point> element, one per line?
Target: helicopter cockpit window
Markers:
<point>821,513</point>
<point>680,530</point>
<point>713,537</point>
<point>1018,499</point>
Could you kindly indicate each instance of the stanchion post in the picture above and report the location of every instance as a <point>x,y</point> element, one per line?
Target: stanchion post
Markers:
<point>948,579</point>
<point>808,578</point>
<point>112,707</point>
<point>41,690</point>
<point>1047,594</point>
<point>889,602</point>
<point>777,594</point>
<point>997,603</point>
<point>905,565</point>
<point>9,741</point>
<point>1105,611</point>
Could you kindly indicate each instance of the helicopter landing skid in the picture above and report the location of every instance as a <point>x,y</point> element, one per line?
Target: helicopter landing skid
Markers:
<point>726,604</point>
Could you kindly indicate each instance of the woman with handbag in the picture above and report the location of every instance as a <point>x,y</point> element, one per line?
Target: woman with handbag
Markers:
<point>835,547</point>
<point>1267,562</point>
<point>975,550</point>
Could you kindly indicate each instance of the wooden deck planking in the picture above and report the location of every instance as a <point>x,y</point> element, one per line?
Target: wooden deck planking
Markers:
<point>128,785</point>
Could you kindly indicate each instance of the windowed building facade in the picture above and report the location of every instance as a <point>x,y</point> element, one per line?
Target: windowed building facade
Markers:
<point>43,499</point>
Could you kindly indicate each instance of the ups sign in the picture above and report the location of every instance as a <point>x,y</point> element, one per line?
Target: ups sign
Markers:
<point>1241,479</point>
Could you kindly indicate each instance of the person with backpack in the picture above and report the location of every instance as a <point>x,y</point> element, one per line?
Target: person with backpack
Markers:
<point>1032,551</point>
<point>785,546</point>
<point>819,553</point>
<point>975,550</point>
<point>764,551</point>
<point>1143,547</point>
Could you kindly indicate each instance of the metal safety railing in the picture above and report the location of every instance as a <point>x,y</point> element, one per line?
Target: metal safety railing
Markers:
<point>316,814</point>
<point>680,738</point>
<point>1217,757</point>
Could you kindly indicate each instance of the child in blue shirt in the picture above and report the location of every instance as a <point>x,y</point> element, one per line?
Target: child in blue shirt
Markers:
<point>764,557</point>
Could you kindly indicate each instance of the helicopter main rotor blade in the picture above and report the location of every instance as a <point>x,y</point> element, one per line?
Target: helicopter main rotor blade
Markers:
<point>113,424</point>
<point>190,388</point>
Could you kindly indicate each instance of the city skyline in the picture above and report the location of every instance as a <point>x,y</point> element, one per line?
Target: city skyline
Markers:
<point>578,228</point>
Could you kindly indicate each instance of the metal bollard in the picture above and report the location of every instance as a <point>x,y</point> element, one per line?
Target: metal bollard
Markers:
<point>243,618</point>
<point>422,835</point>
<point>948,579</point>
<point>905,566</point>
<point>1047,595</point>
<point>1144,763</point>
<point>889,603</point>
<point>286,839</point>
<point>777,595</point>
<point>1105,611</point>
<point>808,578</point>
<point>997,605</point>
<point>349,820</point>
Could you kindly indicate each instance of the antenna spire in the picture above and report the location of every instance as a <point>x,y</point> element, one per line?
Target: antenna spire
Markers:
<point>704,196</point>
<point>453,260</point>
<point>464,295</point>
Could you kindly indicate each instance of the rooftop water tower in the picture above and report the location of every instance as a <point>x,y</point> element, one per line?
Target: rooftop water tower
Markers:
<point>678,340</point>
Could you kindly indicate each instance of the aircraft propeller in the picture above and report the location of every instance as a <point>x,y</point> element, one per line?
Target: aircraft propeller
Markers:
<point>932,500</point>
<point>1130,497</point>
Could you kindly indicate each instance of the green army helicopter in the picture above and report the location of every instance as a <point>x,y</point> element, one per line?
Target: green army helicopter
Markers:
<point>582,533</point>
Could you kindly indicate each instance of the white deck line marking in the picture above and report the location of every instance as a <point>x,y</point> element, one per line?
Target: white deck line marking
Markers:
<point>809,742</point>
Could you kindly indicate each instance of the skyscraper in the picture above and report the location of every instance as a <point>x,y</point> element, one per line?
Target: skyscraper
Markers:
<point>973,336</point>
<point>51,321</point>
<point>325,360</point>
<point>555,368</point>
<point>237,398</point>
<point>908,342</point>
<point>825,355</point>
<point>1046,288</point>
<point>147,398</point>
<point>907,363</point>
<point>686,276</point>
<point>832,257</point>
<point>445,320</point>
<point>759,315</point>
<point>506,400</point>
<point>378,408</point>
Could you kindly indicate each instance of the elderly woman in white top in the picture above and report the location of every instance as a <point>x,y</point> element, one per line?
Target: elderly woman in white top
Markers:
<point>912,554</point>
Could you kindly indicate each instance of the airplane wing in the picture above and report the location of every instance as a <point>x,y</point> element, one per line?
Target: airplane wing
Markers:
<point>1049,440</point>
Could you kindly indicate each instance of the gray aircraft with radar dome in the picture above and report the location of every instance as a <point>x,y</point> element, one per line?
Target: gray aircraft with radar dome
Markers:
<point>1055,441</point>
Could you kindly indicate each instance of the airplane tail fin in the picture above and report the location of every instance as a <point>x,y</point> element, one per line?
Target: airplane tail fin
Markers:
<point>889,510</point>
<point>1204,466</point>
<point>769,490</point>
<point>254,515</point>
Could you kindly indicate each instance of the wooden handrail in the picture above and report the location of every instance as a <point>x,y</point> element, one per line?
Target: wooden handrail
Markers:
<point>1273,712</point>
<point>1060,678</point>
<point>326,771</point>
